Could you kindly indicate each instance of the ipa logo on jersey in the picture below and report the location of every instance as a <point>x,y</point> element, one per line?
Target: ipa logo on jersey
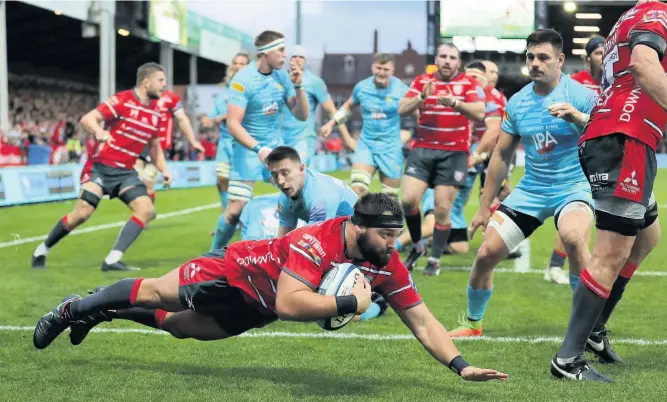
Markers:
<point>544,143</point>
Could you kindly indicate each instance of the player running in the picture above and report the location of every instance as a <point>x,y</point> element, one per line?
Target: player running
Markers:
<point>301,135</point>
<point>257,95</point>
<point>379,146</point>
<point>133,119</point>
<point>223,156</point>
<point>591,78</point>
<point>617,154</point>
<point>547,117</point>
<point>170,108</point>
<point>253,283</point>
<point>306,195</point>
<point>447,100</point>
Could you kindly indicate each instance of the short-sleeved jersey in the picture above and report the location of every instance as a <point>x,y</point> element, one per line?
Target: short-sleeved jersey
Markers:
<point>168,104</point>
<point>442,127</point>
<point>492,111</point>
<point>381,130</point>
<point>317,93</point>
<point>550,143</point>
<point>131,125</point>
<point>623,107</point>
<point>586,79</point>
<point>262,96</point>
<point>322,197</point>
<point>219,109</point>
<point>307,254</point>
<point>259,219</point>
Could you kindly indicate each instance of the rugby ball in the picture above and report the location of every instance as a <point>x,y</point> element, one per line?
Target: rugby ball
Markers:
<point>339,282</point>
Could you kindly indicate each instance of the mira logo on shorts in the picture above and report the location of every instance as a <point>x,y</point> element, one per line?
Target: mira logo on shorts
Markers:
<point>544,143</point>
<point>599,177</point>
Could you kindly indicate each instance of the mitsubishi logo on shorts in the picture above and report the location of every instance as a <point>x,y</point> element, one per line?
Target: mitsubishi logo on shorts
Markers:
<point>632,179</point>
<point>190,271</point>
<point>630,184</point>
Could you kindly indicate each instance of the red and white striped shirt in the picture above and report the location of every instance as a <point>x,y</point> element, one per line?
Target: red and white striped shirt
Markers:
<point>442,127</point>
<point>131,124</point>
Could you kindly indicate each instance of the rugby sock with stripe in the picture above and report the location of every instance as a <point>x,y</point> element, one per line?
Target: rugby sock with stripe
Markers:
<point>440,238</point>
<point>60,230</point>
<point>587,303</point>
<point>615,295</point>
<point>150,317</point>
<point>557,258</point>
<point>119,295</point>
<point>128,234</point>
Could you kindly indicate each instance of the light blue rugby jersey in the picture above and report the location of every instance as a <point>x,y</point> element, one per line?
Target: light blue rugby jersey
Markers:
<point>317,93</point>
<point>550,143</point>
<point>322,197</point>
<point>219,109</point>
<point>262,96</point>
<point>381,130</point>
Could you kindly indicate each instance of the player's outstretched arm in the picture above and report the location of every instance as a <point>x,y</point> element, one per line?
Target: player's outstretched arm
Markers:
<point>435,339</point>
<point>185,126</point>
<point>157,155</point>
<point>91,121</point>
<point>296,301</point>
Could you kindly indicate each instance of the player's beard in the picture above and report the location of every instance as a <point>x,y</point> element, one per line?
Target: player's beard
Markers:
<point>377,257</point>
<point>153,94</point>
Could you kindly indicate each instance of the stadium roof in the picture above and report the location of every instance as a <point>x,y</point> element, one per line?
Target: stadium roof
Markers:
<point>42,43</point>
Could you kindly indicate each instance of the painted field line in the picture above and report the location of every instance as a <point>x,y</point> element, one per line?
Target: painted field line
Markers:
<point>445,268</point>
<point>349,335</point>
<point>117,224</point>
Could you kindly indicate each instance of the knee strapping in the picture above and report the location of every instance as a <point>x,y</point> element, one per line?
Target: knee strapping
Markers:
<point>392,191</point>
<point>239,191</point>
<point>508,230</point>
<point>91,198</point>
<point>222,169</point>
<point>360,179</point>
<point>132,194</point>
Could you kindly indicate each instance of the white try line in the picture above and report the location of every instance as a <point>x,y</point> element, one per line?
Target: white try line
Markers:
<point>350,335</point>
<point>97,228</point>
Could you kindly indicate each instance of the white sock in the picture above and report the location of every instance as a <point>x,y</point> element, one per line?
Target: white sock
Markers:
<point>113,257</point>
<point>41,250</point>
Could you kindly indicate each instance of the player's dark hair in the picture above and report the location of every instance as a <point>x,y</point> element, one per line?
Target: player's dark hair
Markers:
<point>545,35</point>
<point>451,46</point>
<point>478,65</point>
<point>378,204</point>
<point>281,153</point>
<point>146,70</point>
<point>267,37</point>
<point>383,58</point>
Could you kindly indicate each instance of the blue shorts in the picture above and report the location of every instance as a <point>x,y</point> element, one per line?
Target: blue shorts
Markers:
<point>457,215</point>
<point>389,162</point>
<point>547,202</point>
<point>246,165</point>
<point>304,144</point>
<point>224,154</point>
<point>428,201</point>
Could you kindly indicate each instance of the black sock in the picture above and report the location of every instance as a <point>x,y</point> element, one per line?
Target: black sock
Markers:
<point>414,223</point>
<point>57,233</point>
<point>128,234</point>
<point>614,297</point>
<point>145,316</point>
<point>114,297</point>
<point>440,238</point>
<point>586,308</point>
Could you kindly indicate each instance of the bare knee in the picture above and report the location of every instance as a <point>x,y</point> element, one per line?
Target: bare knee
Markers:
<point>488,254</point>
<point>143,209</point>
<point>233,211</point>
<point>460,247</point>
<point>80,215</point>
<point>572,238</point>
<point>441,213</point>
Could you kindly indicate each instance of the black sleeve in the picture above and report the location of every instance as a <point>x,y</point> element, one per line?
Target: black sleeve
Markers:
<point>650,39</point>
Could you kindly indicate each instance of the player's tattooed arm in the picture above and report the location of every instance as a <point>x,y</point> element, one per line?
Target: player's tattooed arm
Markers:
<point>435,339</point>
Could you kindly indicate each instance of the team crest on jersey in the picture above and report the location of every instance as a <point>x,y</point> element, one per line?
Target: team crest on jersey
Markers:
<point>308,248</point>
<point>457,89</point>
<point>154,118</point>
<point>506,116</point>
<point>389,100</point>
<point>270,108</point>
<point>280,87</point>
<point>238,87</point>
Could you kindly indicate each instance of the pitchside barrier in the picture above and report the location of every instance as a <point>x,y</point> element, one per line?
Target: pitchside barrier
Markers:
<point>30,184</point>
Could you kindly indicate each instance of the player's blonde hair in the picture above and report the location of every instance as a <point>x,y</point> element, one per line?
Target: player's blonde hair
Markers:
<point>146,70</point>
<point>383,58</point>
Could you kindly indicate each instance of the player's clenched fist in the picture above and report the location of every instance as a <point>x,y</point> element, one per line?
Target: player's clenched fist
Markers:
<point>296,74</point>
<point>362,290</point>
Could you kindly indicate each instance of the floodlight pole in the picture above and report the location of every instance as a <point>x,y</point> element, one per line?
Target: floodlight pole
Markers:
<point>4,75</point>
